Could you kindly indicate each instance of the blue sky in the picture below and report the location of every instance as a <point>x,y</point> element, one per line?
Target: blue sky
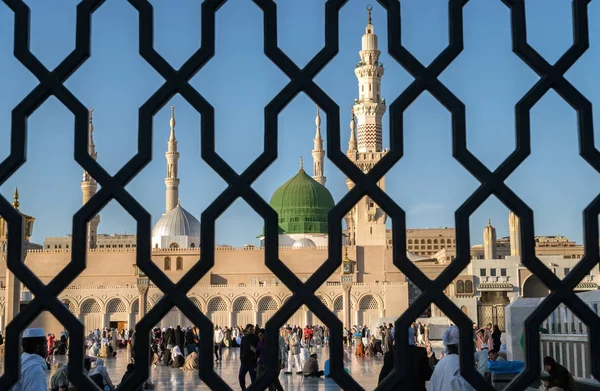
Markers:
<point>239,81</point>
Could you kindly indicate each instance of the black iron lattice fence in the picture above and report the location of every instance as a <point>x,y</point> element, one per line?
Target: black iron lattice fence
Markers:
<point>301,80</point>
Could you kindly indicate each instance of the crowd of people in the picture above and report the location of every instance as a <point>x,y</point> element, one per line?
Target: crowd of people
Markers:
<point>177,347</point>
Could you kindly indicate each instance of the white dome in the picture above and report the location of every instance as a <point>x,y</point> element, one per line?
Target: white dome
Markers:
<point>304,243</point>
<point>178,222</point>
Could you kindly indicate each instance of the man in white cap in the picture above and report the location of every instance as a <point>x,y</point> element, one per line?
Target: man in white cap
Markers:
<point>33,361</point>
<point>446,375</point>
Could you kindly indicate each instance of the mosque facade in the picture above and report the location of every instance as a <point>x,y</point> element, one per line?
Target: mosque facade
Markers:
<point>367,288</point>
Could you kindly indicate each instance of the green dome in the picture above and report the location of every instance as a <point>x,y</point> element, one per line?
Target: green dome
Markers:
<point>302,205</point>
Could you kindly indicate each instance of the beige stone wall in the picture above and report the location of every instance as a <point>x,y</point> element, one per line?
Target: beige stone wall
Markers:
<point>95,306</point>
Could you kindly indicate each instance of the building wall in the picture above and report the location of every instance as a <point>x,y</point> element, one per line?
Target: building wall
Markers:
<point>95,306</point>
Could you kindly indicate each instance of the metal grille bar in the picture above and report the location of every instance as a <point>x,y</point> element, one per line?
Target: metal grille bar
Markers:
<point>301,80</point>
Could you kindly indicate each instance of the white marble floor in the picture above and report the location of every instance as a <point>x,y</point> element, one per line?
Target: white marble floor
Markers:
<point>364,370</point>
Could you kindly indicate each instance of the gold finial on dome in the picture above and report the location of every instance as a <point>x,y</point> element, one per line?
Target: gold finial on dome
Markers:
<point>90,112</point>
<point>178,202</point>
<point>345,253</point>
<point>489,222</point>
<point>301,164</point>
<point>369,9</point>
<point>16,198</point>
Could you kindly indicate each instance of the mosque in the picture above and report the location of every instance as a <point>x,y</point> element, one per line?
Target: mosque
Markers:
<point>112,293</point>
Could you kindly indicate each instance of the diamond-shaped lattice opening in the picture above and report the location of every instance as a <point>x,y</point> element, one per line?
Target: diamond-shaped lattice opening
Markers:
<point>17,80</point>
<point>114,30</point>
<point>427,132</point>
<point>564,337</point>
<point>239,138</point>
<point>490,122</point>
<point>558,234</point>
<point>302,187</point>
<point>551,34</point>
<point>560,335</point>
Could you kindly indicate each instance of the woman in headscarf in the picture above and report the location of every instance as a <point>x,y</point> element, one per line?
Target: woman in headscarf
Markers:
<point>94,349</point>
<point>59,381</point>
<point>496,334</point>
<point>177,357</point>
<point>99,372</point>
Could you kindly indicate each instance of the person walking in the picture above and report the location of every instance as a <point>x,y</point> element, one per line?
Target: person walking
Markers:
<point>218,344</point>
<point>248,356</point>
<point>33,361</point>
<point>293,343</point>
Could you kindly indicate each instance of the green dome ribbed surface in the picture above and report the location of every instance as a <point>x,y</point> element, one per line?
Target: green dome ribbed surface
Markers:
<point>302,205</point>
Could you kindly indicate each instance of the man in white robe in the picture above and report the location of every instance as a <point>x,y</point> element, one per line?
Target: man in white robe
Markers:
<point>446,375</point>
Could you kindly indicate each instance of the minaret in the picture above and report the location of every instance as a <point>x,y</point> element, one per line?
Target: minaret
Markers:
<point>367,226</point>
<point>489,241</point>
<point>172,181</point>
<point>89,185</point>
<point>318,153</point>
<point>515,234</point>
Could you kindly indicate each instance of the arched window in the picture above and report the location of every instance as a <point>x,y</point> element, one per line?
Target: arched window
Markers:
<point>90,306</point>
<point>338,304</point>
<point>192,245</point>
<point>217,304</point>
<point>409,241</point>
<point>442,241</point>
<point>422,241</point>
<point>167,265</point>
<point>115,306</point>
<point>435,241</point>
<point>267,304</point>
<point>179,263</point>
<point>242,304</point>
<point>460,286</point>
<point>368,303</point>
<point>173,245</point>
<point>428,241</point>
<point>196,302</point>
<point>468,286</point>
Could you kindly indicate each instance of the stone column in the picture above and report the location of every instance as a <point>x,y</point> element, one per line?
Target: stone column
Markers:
<point>346,301</point>
<point>142,285</point>
<point>307,317</point>
<point>255,318</point>
<point>356,316</point>
<point>230,318</point>
<point>13,291</point>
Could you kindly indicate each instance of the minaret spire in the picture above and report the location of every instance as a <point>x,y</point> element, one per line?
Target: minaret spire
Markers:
<point>352,142</point>
<point>172,180</point>
<point>16,199</point>
<point>318,153</point>
<point>89,186</point>
<point>489,241</point>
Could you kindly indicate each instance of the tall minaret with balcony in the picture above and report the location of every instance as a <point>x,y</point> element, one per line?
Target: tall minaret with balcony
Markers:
<point>89,186</point>
<point>489,241</point>
<point>368,219</point>
<point>172,181</point>
<point>318,153</point>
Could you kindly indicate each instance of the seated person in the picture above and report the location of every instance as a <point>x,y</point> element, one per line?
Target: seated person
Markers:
<point>493,355</point>
<point>100,375</point>
<point>192,361</point>
<point>311,367</point>
<point>59,380</point>
<point>177,357</point>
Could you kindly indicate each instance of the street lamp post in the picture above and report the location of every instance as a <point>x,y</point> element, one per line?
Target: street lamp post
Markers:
<point>13,286</point>
<point>142,283</point>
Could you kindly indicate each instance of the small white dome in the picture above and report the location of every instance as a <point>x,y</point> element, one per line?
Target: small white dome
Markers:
<point>304,243</point>
<point>178,222</point>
